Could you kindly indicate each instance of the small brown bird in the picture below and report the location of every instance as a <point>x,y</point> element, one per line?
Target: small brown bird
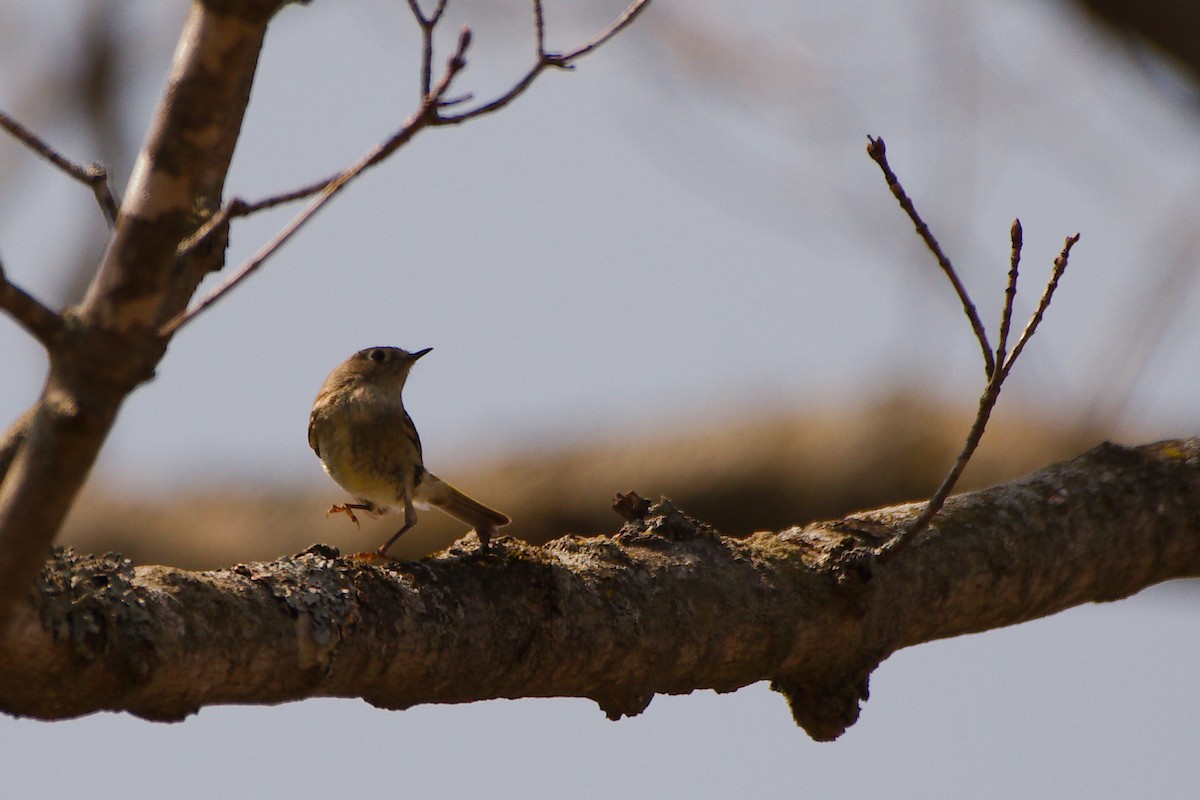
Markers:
<point>369,446</point>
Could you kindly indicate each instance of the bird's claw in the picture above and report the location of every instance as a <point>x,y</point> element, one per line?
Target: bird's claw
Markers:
<point>344,508</point>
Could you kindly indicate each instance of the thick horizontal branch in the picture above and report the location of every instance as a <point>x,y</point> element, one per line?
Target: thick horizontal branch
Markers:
<point>666,605</point>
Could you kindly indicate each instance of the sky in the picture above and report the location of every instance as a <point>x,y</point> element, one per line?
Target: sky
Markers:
<point>684,225</point>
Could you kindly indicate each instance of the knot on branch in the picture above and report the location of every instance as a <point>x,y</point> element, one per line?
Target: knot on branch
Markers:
<point>628,703</point>
<point>660,519</point>
<point>825,708</point>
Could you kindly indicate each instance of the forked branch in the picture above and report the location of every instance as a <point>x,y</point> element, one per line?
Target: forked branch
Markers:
<point>546,59</point>
<point>996,366</point>
<point>93,175</point>
<point>417,122</point>
<point>431,113</point>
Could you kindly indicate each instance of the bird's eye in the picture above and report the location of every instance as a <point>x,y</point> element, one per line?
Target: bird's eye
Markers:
<point>378,356</point>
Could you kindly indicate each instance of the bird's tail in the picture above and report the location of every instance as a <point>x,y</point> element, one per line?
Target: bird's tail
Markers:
<point>436,492</point>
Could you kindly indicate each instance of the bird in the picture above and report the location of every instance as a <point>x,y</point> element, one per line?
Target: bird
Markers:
<point>368,444</point>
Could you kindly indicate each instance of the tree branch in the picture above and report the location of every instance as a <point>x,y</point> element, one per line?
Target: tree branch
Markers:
<point>110,344</point>
<point>169,235</point>
<point>1016,235</point>
<point>420,120</point>
<point>991,392</point>
<point>427,24</point>
<point>545,60</point>
<point>1060,266</point>
<point>996,367</point>
<point>664,606</point>
<point>93,175</point>
<point>38,321</point>
<point>878,152</point>
<point>433,101</point>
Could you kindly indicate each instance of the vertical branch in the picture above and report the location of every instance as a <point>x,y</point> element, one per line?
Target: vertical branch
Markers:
<point>991,394</point>
<point>415,124</point>
<point>427,24</point>
<point>996,366</point>
<point>111,345</point>
<point>1060,266</point>
<point>1010,291</point>
<point>539,29</point>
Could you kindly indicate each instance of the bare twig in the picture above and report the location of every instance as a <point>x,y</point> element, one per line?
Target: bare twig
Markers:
<point>539,28</point>
<point>986,403</point>
<point>547,60</point>
<point>94,175</point>
<point>621,23</point>
<point>997,366</point>
<point>218,221</point>
<point>991,392</point>
<point>1010,291</point>
<point>38,321</point>
<point>878,152</point>
<point>427,24</point>
<point>1060,266</point>
<point>237,208</point>
<point>421,119</point>
<point>434,102</point>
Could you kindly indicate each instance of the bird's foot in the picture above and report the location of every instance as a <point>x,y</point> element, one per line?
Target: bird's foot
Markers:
<point>372,555</point>
<point>348,510</point>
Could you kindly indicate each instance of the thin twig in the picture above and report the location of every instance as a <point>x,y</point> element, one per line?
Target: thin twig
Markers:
<point>539,28</point>
<point>427,24</point>
<point>878,152</point>
<point>627,17</point>
<point>237,208</point>
<point>498,103</point>
<point>1060,266</point>
<point>93,175</point>
<point>1010,291</point>
<point>37,319</point>
<point>433,103</point>
<point>421,119</point>
<point>547,60</point>
<point>218,221</point>
<point>987,400</point>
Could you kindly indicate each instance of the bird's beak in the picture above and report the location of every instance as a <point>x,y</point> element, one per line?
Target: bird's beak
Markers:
<point>419,353</point>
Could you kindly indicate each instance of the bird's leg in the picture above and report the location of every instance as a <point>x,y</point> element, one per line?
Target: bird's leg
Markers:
<point>348,509</point>
<point>484,532</point>
<point>410,519</point>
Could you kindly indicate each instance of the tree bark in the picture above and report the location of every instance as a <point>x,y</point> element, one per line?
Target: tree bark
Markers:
<point>105,348</point>
<point>665,605</point>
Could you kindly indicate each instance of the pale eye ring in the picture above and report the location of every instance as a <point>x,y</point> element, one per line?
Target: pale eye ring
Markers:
<point>378,356</point>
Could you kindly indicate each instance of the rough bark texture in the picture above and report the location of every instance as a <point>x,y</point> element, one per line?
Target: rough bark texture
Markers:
<point>666,605</point>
